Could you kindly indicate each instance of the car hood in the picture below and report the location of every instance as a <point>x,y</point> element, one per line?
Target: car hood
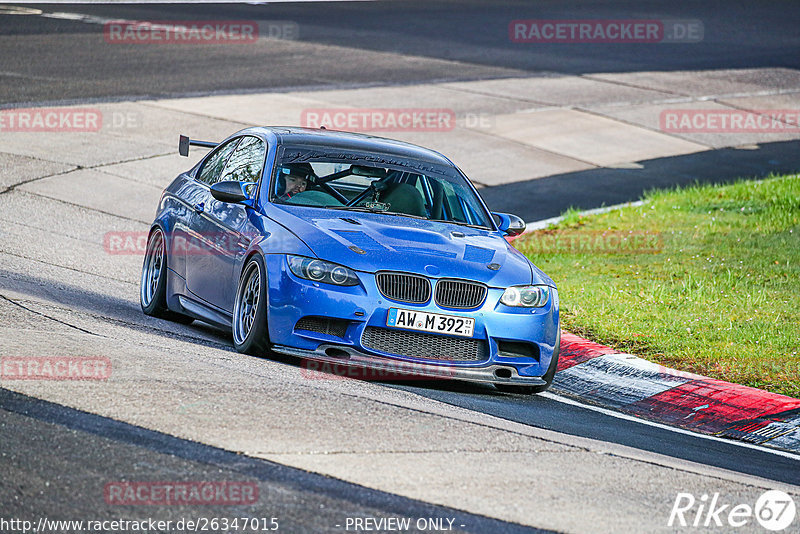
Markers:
<point>373,242</point>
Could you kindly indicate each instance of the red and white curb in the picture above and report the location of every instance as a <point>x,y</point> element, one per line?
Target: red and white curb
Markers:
<point>600,375</point>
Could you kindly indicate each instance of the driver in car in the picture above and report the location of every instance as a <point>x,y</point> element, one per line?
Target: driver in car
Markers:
<point>295,181</point>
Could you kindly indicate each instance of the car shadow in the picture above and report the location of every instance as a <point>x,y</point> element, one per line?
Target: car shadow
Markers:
<point>604,186</point>
<point>115,310</point>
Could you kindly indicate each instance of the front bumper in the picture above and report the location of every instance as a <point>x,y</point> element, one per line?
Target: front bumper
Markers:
<point>363,307</point>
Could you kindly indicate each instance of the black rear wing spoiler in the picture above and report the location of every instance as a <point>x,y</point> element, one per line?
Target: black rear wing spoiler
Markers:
<point>184,142</point>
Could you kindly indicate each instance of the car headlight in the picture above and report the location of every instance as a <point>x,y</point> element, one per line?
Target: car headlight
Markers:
<point>322,271</point>
<point>526,296</point>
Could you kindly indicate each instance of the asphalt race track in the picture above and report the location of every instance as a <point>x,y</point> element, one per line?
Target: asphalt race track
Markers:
<point>182,405</point>
<point>447,40</point>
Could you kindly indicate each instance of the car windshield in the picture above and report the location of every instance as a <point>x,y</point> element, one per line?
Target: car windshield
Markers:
<point>377,183</point>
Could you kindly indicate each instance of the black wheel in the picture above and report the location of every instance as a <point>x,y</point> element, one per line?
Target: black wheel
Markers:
<point>153,286</point>
<point>547,377</point>
<point>249,327</point>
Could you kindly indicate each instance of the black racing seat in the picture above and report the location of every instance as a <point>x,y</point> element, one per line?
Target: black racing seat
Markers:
<point>404,198</point>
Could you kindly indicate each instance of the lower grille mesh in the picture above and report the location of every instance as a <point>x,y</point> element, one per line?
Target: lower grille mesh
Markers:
<point>426,346</point>
<point>323,325</point>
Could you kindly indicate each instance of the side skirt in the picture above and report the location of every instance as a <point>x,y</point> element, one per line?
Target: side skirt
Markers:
<point>204,313</point>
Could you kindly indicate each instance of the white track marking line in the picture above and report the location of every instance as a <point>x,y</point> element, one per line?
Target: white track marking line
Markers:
<point>627,417</point>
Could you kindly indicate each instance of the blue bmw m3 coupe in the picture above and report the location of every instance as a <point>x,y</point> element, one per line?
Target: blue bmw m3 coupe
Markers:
<point>350,249</point>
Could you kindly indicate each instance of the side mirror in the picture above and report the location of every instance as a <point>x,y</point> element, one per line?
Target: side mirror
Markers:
<point>228,192</point>
<point>508,223</point>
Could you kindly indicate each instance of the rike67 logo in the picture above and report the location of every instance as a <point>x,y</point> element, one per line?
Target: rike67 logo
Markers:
<point>774,510</point>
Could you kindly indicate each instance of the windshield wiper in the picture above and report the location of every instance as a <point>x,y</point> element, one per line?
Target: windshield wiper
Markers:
<point>365,209</point>
<point>355,208</point>
<point>459,223</point>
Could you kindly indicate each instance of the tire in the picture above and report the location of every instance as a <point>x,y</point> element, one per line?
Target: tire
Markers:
<point>153,283</point>
<point>249,325</point>
<point>547,377</point>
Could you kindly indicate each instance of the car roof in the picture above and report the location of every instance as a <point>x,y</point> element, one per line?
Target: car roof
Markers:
<point>291,135</point>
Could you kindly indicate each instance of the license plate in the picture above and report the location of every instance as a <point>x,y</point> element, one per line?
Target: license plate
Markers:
<point>430,322</point>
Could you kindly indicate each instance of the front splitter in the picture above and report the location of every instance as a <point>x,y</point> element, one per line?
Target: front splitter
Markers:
<point>387,369</point>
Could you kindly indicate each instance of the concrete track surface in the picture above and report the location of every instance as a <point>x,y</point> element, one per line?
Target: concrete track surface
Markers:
<point>182,405</point>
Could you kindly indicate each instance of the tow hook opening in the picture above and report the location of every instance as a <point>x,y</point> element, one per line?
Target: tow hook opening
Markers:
<point>340,354</point>
<point>503,372</point>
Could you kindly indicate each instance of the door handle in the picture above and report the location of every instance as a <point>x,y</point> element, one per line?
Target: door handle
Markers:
<point>199,207</point>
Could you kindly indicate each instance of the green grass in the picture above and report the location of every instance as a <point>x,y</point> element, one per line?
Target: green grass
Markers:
<point>720,296</point>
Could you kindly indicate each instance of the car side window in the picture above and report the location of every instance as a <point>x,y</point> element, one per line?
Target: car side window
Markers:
<point>211,170</point>
<point>246,162</point>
